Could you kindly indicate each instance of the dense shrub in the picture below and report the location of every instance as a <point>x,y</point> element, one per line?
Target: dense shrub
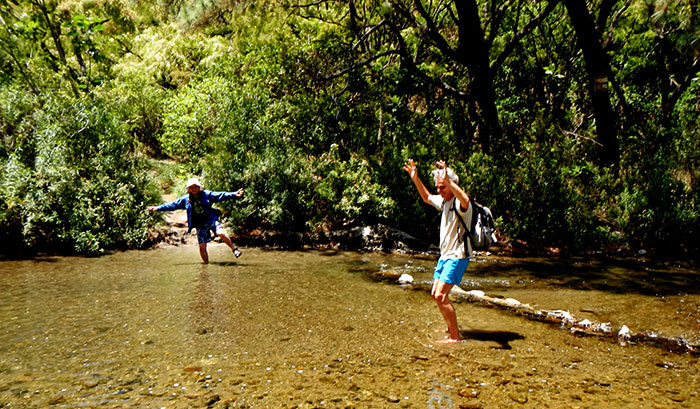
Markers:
<point>315,121</point>
<point>83,191</point>
<point>345,193</point>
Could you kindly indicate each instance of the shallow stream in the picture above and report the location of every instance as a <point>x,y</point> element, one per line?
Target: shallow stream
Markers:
<point>275,329</point>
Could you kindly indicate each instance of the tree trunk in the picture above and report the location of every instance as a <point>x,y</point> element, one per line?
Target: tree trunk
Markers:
<point>472,52</point>
<point>598,69</point>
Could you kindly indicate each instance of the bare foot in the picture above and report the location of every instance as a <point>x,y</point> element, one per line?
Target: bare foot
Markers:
<point>449,341</point>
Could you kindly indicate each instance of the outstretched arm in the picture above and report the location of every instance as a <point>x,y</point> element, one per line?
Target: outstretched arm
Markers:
<point>166,207</point>
<point>216,197</point>
<point>460,194</point>
<point>410,168</point>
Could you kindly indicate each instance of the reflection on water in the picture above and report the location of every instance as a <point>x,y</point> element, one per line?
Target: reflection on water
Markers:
<point>309,329</point>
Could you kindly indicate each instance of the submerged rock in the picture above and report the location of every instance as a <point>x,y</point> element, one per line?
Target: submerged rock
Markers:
<point>406,279</point>
<point>468,392</point>
<point>511,302</point>
<point>518,398</point>
<point>623,335</point>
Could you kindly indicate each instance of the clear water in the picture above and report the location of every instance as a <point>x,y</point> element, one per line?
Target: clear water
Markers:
<point>311,329</point>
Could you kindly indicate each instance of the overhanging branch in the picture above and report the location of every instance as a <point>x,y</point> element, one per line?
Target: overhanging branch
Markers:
<point>360,64</point>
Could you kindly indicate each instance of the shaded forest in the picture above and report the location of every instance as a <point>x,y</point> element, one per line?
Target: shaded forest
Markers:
<point>575,121</point>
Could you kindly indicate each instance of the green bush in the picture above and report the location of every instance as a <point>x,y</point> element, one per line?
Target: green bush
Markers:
<point>346,193</point>
<point>84,191</point>
<point>553,199</point>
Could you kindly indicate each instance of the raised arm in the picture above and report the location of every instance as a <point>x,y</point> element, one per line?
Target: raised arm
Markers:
<point>410,168</point>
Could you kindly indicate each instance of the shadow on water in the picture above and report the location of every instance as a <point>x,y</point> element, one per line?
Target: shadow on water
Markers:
<point>502,338</point>
<point>227,263</point>
<point>617,276</point>
<point>198,264</point>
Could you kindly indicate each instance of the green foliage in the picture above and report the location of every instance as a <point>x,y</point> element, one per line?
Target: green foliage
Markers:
<point>193,116</point>
<point>277,189</point>
<point>137,105</point>
<point>82,192</point>
<point>67,47</point>
<point>314,109</point>
<point>346,194</point>
<point>553,198</point>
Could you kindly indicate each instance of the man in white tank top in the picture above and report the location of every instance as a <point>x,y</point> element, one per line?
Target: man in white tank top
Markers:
<point>455,249</point>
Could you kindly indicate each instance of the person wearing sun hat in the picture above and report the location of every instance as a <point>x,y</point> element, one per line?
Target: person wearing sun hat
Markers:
<point>201,215</point>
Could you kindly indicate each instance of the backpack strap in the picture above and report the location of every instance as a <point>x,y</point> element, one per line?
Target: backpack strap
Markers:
<point>459,217</point>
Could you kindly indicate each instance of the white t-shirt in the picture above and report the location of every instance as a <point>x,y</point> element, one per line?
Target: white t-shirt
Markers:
<point>451,246</point>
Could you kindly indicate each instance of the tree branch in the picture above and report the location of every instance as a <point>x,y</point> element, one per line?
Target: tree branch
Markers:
<point>128,50</point>
<point>360,64</point>
<point>432,31</point>
<point>14,58</point>
<point>508,49</point>
<point>368,33</point>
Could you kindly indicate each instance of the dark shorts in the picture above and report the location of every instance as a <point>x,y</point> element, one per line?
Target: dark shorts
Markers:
<point>204,233</point>
<point>451,270</point>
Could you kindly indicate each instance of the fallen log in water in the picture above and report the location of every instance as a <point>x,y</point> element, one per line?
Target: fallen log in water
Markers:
<point>563,319</point>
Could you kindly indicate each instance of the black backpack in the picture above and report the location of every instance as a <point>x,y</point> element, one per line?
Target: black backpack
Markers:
<point>482,231</point>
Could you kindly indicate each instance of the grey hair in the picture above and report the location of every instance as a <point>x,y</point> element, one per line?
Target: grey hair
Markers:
<point>450,174</point>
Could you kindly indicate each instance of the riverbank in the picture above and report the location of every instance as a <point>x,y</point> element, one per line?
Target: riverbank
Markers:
<point>386,239</point>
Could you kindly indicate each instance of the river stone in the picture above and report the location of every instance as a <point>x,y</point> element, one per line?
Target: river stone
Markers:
<point>236,381</point>
<point>400,373</point>
<point>24,379</point>
<point>518,398</point>
<point>677,396</point>
<point>57,400</point>
<point>91,383</point>
<point>406,279</point>
<point>468,393</point>
<point>157,392</point>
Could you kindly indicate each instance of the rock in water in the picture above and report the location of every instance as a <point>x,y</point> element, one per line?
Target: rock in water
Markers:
<point>406,279</point>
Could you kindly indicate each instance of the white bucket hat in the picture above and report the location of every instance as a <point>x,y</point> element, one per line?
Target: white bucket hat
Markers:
<point>193,182</point>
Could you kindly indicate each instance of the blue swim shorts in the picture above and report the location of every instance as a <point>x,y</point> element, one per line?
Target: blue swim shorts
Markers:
<point>451,270</point>
<point>204,233</point>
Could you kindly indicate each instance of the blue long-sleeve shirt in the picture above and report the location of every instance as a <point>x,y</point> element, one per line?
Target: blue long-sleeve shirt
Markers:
<point>208,198</point>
